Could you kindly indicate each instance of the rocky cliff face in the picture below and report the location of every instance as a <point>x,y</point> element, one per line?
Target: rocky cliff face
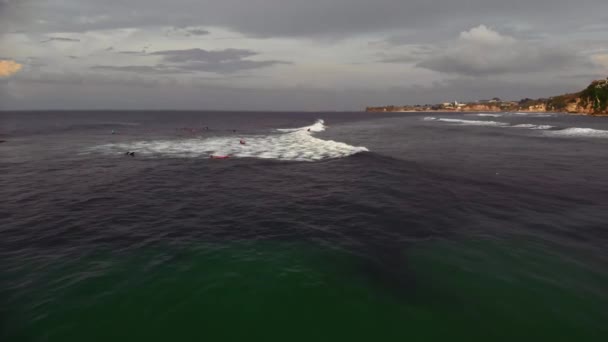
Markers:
<point>536,108</point>
<point>578,107</point>
<point>477,107</point>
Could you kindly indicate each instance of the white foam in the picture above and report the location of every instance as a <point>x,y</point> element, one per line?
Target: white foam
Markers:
<point>534,114</point>
<point>486,115</point>
<point>297,144</point>
<point>472,122</point>
<point>580,132</point>
<point>532,126</point>
<point>487,123</point>
<point>318,126</point>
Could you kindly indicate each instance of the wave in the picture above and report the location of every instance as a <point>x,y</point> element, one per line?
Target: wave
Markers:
<point>535,115</point>
<point>467,122</point>
<point>487,115</point>
<point>487,123</point>
<point>549,130</point>
<point>318,126</point>
<point>579,132</point>
<point>297,144</point>
<point>532,126</point>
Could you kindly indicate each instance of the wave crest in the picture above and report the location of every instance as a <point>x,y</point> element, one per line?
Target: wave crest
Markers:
<point>580,132</point>
<point>297,144</point>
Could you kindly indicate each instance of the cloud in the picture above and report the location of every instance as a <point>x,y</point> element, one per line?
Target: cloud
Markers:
<point>400,59</point>
<point>187,31</point>
<point>225,61</point>
<point>601,60</point>
<point>326,39</point>
<point>9,67</point>
<point>483,51</point>
<point>197,32</point>
<point>412,53</point>
<point>60,39</point>
<point>133,52</point>
<point>74,92</point>
<point>219,61</point>
<point>232,66</point>
<point>141,69</point>
<point>296,18</point>
<point>200,55</point>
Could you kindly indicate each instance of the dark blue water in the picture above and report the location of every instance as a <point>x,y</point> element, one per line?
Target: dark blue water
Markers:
<point>421,226</point>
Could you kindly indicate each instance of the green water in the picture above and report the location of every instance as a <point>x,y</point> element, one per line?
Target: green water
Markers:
<point>469,291</point>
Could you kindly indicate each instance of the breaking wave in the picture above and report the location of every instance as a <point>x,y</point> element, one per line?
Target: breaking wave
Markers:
<point>532,126</point>
<point>487,123</point>
<point>548,129</point>
<point>467,122</point>
<point>579,132</point>
<point>487,115</point>
<point>535,114</point>
<point>297,144</point>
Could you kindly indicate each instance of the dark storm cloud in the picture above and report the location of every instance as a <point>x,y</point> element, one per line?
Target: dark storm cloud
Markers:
<point>59,39</point>
<point>299,18</point>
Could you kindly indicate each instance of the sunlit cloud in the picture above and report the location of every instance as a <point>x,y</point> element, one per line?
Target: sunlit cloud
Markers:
<point>8,68</point>
<point>601,60</point>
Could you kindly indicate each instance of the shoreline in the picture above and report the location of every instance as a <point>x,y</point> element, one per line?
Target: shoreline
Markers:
<point>483,111</point>
<point>592,101</point>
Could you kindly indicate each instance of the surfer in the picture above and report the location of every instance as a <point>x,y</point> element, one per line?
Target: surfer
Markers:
<point>129,153</point>
<point>242,142</point>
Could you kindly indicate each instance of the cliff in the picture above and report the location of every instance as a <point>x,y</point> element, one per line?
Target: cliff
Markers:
<point>591,101</point>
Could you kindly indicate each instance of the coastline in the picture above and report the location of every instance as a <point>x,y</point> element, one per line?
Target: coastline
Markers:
<point>592,101</point>
<point>446,111</point>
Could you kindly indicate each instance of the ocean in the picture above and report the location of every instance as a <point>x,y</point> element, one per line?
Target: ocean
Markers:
<point>320,227</point>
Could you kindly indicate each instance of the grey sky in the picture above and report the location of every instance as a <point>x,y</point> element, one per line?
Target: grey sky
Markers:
<point>293,54</point>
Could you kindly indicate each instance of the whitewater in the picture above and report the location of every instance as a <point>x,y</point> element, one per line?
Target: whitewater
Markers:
<point>292,144</point>
<point>548,130</point>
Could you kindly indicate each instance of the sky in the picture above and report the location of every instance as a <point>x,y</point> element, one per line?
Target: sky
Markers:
<point>304,55</point>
